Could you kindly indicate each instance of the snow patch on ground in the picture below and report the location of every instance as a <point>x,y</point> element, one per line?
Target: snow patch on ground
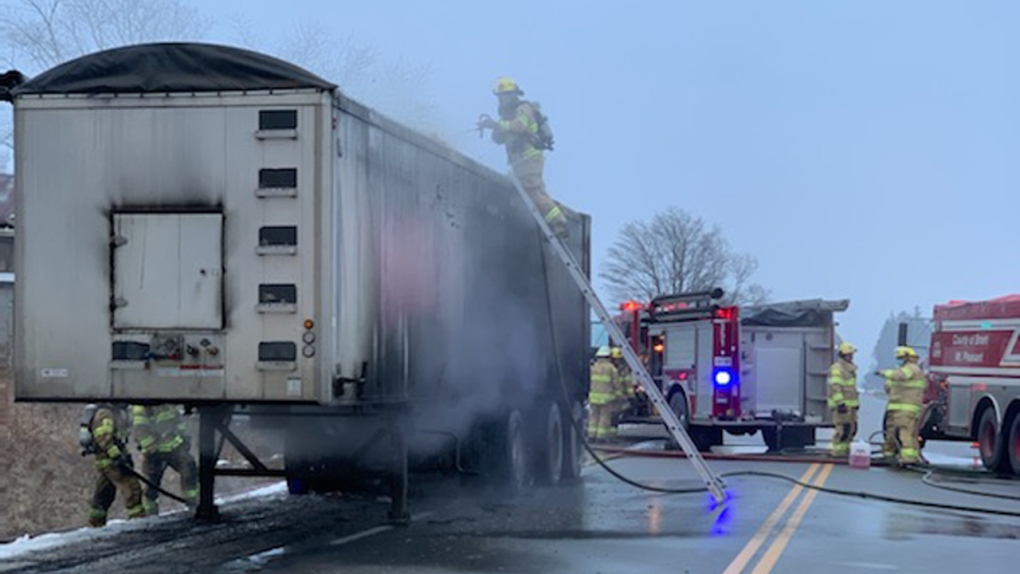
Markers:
<point>28,544</point>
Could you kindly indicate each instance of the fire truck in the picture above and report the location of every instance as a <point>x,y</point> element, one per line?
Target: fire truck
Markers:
<point>738,369</point>
<point>975,352</point>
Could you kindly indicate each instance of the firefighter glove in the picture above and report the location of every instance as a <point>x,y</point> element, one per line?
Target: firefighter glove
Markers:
<point>485,121</point>
<point>842,409</point>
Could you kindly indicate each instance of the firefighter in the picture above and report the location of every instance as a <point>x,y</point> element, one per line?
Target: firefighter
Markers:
<point>625,392</point>
<point>843,400</point>
<point>518,129</point>
<point>905,386</point>
<point>163,440</point>
<point>108,430</point>
<point>602,397</point>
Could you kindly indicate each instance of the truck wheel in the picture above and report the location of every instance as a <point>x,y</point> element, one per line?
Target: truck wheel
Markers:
<point>990,442</point>
<point>1013,444</point>
<point>550,447</point>
<point>573,442</point>
<point>792,437</point>
<point>678,402</point>
<point>513,467</point>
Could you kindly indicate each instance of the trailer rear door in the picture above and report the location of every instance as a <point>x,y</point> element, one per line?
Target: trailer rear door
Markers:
<point>167,271</point>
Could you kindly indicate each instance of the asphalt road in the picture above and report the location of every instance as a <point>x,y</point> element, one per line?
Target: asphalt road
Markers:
<point>595,525</point>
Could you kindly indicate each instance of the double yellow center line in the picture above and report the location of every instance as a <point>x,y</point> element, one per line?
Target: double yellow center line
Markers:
<point>771,555</point>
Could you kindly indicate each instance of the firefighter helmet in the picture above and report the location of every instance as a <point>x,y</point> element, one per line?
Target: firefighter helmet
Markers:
<point>905,352</point>
<point>603,351</point>
<point>616,352</point>
<point>845,348</point>
<point>506,85</point>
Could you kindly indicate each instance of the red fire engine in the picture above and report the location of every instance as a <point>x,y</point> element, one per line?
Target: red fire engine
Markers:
<point>975,347</point>
<point>738,369</point>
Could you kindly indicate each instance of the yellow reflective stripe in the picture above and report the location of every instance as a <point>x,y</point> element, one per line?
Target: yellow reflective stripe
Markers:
<point>597,398</point>
<point>915,384</point>
<point>904,407</point>
<point>171,444</point>
<point>597,378</point>
<point>146,441</point>
<point>554,213</point>
<point>105,427</point>
<point>166,416</point>
<point>852,402</point>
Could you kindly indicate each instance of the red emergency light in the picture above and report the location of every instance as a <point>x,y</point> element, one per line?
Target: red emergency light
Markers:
<point>631,306</point>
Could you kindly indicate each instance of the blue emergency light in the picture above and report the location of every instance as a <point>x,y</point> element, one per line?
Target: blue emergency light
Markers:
<point>723,377</point>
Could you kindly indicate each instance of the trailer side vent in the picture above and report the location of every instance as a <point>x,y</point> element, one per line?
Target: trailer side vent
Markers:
<point>277,240</point>
<point>277,124</point>
<point>130,351</point>
<point>277,298</point>
<point>277,356</point>
<point>277,182</point>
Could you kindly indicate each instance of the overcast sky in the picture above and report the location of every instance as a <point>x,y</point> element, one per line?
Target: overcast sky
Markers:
<point>864,150</point>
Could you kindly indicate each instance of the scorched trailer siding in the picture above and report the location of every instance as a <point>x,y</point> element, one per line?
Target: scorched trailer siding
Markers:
<point>248,237</point>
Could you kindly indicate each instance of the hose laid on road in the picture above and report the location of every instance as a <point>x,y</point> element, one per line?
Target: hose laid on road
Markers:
<point>929,476</point>
<point>158,488</point>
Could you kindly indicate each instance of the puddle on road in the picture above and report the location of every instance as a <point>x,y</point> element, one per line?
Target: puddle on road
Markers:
<point>901,526</point>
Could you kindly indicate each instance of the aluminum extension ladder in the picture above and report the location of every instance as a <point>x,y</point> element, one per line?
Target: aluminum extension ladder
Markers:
<point>712,481</point>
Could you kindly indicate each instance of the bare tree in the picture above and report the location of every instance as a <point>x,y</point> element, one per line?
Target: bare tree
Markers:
<point>397,87</point>
<point>38,34</point>
<point>676,253</point>
<point>43,33</point>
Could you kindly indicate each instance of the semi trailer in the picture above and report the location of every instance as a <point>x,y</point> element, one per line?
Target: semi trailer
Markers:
<point>214,227</point>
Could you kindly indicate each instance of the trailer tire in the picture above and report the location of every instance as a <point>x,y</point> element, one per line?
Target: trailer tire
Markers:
<point>991,445</point>
<point>512,466</point>
<point>573,442</point>
<point>1013,444</point>
<point>550,444</point>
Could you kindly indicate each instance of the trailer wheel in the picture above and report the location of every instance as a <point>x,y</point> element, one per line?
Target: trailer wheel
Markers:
<point>550,447</point>
<point>512,471</point>
<point>990,442</point>
<point>1013,444</point>
<point>573,443</point>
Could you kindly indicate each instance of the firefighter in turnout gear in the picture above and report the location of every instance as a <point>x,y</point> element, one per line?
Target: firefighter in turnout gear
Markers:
<point>162,439</point>
<point>520,130</point>
<point>626,381</point>
<point>905,386</point>
<point>603,397</point>
<point>108,430</point>
<point>843,400</point>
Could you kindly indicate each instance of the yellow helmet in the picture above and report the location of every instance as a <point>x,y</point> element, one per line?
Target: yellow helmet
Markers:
<point>845,348</point>
<point>506,85</point>
<point>602,352</point>
<point>616,353</point>
<point>902,352</point>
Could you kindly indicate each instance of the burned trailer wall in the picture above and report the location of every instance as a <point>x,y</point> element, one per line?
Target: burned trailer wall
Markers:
<point>441,293</point>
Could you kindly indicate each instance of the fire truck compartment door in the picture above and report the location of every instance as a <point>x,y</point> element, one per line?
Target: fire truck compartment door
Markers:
<point>780,376</point>
<point>167,271</point>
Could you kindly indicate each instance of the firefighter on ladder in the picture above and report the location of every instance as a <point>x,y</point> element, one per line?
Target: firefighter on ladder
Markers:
<point>518,130</point>
<point>163,441</point>
<point>843,400</point>
<point>603,397</point>
<point>906,387</point>
<point>108,428</point>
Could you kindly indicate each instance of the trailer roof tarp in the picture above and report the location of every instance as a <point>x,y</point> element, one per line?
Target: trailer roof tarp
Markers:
<point>171,67</point>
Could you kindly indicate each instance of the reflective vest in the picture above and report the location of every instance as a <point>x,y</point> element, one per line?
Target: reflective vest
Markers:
<point>605,383</point>
<point>159,428</point>
<point>906,386</point>
<point>843,384</point>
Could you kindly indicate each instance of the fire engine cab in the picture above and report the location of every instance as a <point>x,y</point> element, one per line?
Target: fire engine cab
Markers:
<point>975,349</point>
<point>737,369</point>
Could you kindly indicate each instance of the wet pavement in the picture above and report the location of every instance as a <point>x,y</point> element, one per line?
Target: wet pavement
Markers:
<point>599,524</point>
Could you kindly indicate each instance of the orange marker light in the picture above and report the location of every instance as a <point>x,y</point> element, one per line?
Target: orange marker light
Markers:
<point>309,324</point>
